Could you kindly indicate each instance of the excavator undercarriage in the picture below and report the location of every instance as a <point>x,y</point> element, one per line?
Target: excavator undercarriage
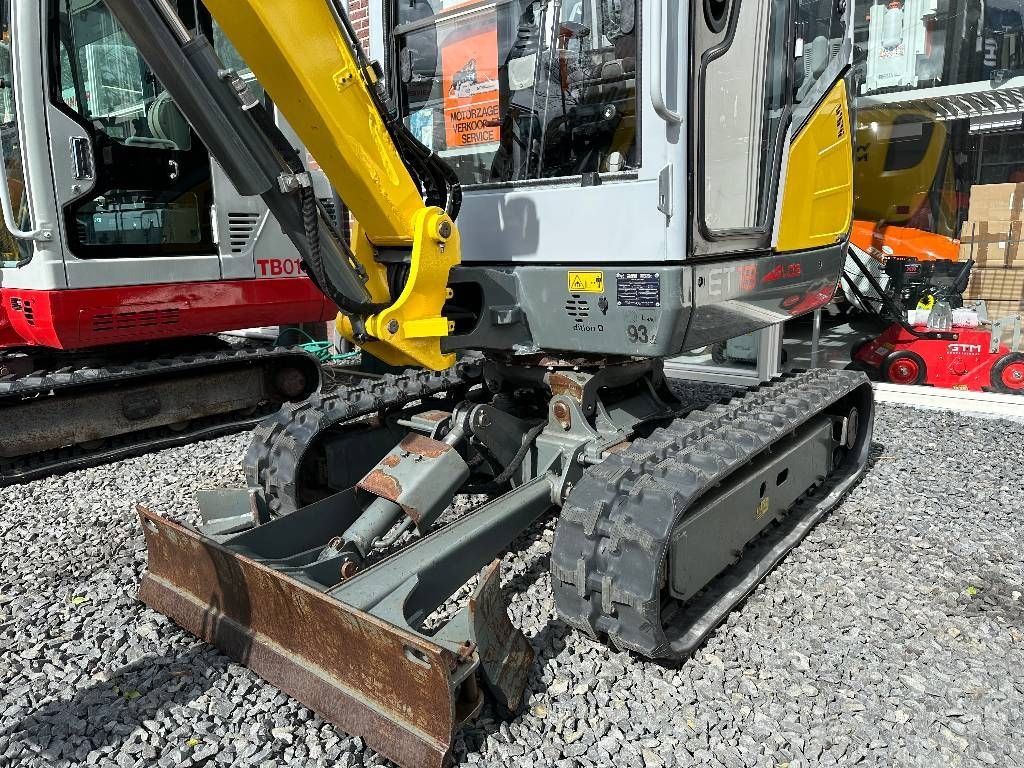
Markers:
<point>669,518</point>
<point>67,411</point>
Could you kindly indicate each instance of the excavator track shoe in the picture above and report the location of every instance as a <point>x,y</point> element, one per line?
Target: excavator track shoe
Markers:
<point>644,535</point>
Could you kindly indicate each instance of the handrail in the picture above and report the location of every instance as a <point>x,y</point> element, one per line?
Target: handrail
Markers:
<point>657,65</point>
<point>39,235</point>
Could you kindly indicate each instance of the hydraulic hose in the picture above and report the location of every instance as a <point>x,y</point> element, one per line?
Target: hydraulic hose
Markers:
<point>248,145</point>
<point>436,179</point>
<point>497,484</point>
<point>313,219</point>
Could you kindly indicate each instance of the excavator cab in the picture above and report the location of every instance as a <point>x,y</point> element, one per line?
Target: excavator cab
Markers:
<point>572,191</point>
<point>574,147</point>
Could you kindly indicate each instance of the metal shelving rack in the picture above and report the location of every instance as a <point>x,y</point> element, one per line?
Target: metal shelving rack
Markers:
<point>955,102</point>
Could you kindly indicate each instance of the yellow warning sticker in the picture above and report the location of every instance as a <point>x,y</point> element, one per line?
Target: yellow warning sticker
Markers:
<point>762,508</point>
<point>586,282</point>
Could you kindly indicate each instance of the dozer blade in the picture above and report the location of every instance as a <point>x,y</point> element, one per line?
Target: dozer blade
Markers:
<point>355,651</point>
<point>395,689</point>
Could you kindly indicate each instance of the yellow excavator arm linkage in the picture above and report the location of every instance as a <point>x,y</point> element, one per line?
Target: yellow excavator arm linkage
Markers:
<point>316,82</point>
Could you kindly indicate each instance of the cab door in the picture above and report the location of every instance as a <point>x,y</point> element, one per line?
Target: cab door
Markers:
<point>760,68</point>
<point>132,180</point>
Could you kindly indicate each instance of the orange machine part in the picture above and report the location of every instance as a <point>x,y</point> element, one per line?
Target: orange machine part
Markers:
<point>903,242</point>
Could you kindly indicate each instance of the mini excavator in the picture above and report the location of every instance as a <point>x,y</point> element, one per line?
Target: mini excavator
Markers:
<point>551,198</point>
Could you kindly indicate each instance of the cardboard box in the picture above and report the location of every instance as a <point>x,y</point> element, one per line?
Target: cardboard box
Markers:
<point>996,284</point>
<point>992,243</point>
<point>1002,202</point>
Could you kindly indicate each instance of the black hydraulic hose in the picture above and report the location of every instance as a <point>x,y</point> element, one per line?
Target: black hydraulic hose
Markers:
<point>313,218</point>
<point>311,227</point>
<point>436,179</point>
<point>443,173</point>
<point>248,146</point>
<point>496,485</point>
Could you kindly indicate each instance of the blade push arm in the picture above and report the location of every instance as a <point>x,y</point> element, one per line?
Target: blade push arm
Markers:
<point>392,285</point>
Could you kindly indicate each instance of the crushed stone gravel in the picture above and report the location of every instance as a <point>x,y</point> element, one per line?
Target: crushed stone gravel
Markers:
<point>892,636</point>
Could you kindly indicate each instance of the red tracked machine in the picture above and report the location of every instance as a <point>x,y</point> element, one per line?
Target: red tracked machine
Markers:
<point>123,250</point>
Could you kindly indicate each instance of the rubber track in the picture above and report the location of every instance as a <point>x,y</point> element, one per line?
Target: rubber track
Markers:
<point>611,543</point>
<point>123,447</point>
<point>72,381</point>
<point>13,388</point>
<point>275,456</point>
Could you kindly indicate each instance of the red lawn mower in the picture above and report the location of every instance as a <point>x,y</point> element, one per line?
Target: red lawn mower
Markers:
<point>966,352</point>
<point>966,358</point>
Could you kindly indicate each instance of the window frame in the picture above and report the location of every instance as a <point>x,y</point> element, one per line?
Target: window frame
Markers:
<point>394,31</point>
<point>207,244</point>
<point>698,118</point>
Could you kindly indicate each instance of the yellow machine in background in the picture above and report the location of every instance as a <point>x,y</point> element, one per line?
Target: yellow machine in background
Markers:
<point>903,170</point>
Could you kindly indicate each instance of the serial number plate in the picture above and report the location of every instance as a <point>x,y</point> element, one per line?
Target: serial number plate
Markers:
<point>638,289</point>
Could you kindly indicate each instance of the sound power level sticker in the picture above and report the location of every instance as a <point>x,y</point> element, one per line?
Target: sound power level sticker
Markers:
<point>586,282</point>
<point>638,289</point>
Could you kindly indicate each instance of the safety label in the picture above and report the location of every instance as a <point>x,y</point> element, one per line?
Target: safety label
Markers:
<point>638,289</point>
<point>586,282</point>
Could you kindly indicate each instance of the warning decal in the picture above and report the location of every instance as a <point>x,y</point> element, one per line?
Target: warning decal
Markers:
<point>586,282</point>
<point>469,64</point>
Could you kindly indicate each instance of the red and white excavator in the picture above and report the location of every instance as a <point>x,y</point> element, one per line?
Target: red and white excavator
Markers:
<point>124,249</point>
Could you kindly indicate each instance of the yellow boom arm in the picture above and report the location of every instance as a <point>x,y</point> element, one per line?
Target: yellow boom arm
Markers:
<point>317,83</point>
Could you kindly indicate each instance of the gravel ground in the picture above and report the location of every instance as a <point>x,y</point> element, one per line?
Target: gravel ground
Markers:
<point>892,636</point>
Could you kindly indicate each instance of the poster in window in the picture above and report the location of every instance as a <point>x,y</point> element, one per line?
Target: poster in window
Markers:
<point>469,64</point>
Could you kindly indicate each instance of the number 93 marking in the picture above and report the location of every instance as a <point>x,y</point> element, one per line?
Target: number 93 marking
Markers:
<point>638,334</point>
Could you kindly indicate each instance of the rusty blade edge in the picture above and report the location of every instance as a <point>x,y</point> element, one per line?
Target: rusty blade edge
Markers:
<point>293,673</point>
<point>298,678</point>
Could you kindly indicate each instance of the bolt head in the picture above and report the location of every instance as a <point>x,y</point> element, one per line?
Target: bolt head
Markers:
<point>444,229</point>
<point>393,326</point>
<point>562,414</point>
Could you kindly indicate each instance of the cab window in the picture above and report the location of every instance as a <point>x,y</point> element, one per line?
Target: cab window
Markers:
<point>521,90</point>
